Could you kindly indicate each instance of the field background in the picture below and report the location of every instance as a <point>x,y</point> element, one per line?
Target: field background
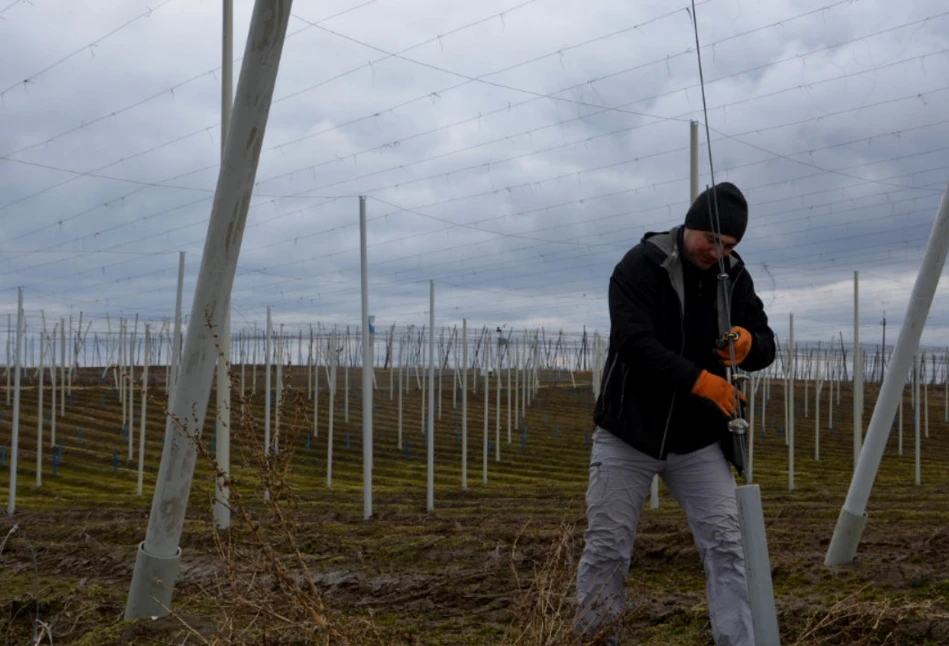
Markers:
<point>492,565</point>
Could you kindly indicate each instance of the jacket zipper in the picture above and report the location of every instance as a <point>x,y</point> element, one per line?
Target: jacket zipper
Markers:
<point>622,395</point>
<point>606,382</point>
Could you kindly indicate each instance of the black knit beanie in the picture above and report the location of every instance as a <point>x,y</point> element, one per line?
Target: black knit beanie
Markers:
<point>732,211</point>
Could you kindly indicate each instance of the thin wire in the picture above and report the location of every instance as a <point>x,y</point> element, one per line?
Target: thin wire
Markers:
<point>32,77</point>
<point>720,252</point>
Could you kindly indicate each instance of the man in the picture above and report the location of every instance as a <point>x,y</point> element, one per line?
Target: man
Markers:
<point>664,408</point>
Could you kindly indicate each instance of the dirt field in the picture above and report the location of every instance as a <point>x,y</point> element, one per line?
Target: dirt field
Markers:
<point>492,565</point>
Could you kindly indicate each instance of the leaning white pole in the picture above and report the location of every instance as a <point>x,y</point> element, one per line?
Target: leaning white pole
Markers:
<point>222,507</point>
<point>754,543</point>
<point>15,429</point>
<point>156,565</point>
<point>366,370</point>
<point>431,396</point>
<point>853,518</point>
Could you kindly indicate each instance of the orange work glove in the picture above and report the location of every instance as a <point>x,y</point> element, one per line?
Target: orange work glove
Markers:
<point>742,346</point>
<point>718,391</point>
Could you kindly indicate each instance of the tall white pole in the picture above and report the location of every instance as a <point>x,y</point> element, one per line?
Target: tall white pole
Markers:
<point>144,409</point>
<point>917,377</point>
<point>431,396</point>
<point>332,396</point>
<point>39,415</point>
<point>487,392</point>
<point>158,557</point>
<point>267,393</point>
<point>9,348</point>
<point>52,402</point>
<point>792,361</point>
<point>497,400</point>
<point>15,429</point>
<point>222,508</point>
<point>176,344</point>
<point>464,404</point>
<point>852,519</point>
<point>857,374</point>
<point>366,369</point>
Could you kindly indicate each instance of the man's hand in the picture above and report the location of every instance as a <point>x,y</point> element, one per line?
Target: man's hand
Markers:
<point>742,346</point>
<point>718,391</point>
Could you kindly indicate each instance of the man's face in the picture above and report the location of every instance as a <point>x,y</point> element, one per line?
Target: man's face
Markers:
<point>702,247</point>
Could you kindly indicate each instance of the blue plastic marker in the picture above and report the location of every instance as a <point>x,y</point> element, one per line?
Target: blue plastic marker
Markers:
<point>115,461</point>
<point>124,432</point>
<point>347,440</point>
<point>523,444</point>
<point>588,439</point>
<point>55,464</point>
<point>60,455</point>
<point>80,434</point>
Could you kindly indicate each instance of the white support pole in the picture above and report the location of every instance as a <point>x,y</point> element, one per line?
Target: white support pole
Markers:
<point>431,397</point>
<point>750,466</point>
<point>9,348</point>
<point>857,374</point>
<point>401,371</point>
<point>792,361</point>
<point>332,396</point>
<point>497,402</point>
<point>484,449</point>
<point>52,380</point>
<point>62,368</point>
<point>130,397</point>
<point>39,414</point>
<point>176,344</point>
<point>267,392</point>
<point>366,369</point>
<point>222,507</point>
<point>754,544</point>
<point>316,389</point>
<point>15,427</point>
<point>144,409</point>
<point>157,562</point>
<point>852,519</point>
<point>222,453</point>
<point>464,404</point>
<point>916,415</point>
<point>441,363</point>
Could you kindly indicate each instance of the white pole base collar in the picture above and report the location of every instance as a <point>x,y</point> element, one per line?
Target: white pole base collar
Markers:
<point>153,582</point>
<point>843,546</point>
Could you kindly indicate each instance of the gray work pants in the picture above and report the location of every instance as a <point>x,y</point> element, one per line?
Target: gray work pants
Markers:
<point>703,484</point>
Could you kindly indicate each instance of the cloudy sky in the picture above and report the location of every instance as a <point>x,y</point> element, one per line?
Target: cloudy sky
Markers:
<point>511,150</point>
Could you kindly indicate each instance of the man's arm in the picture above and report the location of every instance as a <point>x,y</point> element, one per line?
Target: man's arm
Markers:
<point>633,298</point>
<point>754,319</point>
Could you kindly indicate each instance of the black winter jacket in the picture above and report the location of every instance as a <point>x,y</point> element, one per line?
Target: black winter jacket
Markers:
<point>646,388</point>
